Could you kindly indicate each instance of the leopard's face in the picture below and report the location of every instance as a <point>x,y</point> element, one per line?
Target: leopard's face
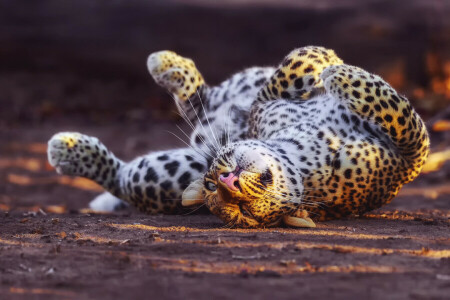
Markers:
<point>246,186</point>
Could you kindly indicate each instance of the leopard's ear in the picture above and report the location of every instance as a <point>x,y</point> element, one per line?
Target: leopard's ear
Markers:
<point>193,195</point>
<point>298,76</point>
<point>175,73</point>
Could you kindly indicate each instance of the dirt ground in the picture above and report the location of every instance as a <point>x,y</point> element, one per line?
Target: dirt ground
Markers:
<point>52,248</point>
<point>81,67</point>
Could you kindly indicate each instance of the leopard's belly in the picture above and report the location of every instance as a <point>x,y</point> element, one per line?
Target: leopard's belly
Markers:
<point>347,164</point>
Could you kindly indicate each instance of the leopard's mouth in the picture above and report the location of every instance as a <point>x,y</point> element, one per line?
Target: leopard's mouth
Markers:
<point>245,211</point>
<point>238,186</point>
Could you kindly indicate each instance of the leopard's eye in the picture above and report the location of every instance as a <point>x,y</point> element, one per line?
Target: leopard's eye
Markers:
<point>210,186</point>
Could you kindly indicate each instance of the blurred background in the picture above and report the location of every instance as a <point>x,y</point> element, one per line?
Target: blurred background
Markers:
<point>87,57</point>
<point>80,65</point>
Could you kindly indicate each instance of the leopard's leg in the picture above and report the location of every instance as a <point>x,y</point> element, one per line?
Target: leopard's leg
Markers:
<point>192,96</point>
<point>180,77</point>
<point>298,76</point>
<point>154,183</point>
<point>377,103</point>
<point>75,154</point>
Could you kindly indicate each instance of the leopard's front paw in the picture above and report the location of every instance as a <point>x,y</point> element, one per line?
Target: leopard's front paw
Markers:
<point>76,154</point>
<point>64,152</point>
<point>175,73</point>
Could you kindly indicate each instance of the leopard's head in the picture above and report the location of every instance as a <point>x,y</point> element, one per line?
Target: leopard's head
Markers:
<point>248,185</point>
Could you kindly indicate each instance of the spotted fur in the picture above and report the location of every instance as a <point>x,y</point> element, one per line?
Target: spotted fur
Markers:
<point>298,76</point>
<point>176,73</point>
<point>154,182</point>
<point>346,147</point>
<point>314,138</point>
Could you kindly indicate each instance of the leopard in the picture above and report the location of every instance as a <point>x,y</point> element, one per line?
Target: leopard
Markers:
<point>154,182</point>
<point>313,139</point>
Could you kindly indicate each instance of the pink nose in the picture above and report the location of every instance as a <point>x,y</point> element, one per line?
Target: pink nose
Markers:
<point>231,180</point>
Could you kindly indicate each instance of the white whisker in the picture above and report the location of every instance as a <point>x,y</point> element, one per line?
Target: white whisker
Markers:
<point>207,119</point>
<point>189,122</point>
<point>193,211</point>
<point>190,145</point>
<point>193,129</point>
<point>227,127</point>
<point>201,125</point>
<point>194,147</point>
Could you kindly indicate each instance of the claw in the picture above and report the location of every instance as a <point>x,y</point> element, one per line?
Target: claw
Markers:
<point>59,170</point>
<point>299,222</point>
